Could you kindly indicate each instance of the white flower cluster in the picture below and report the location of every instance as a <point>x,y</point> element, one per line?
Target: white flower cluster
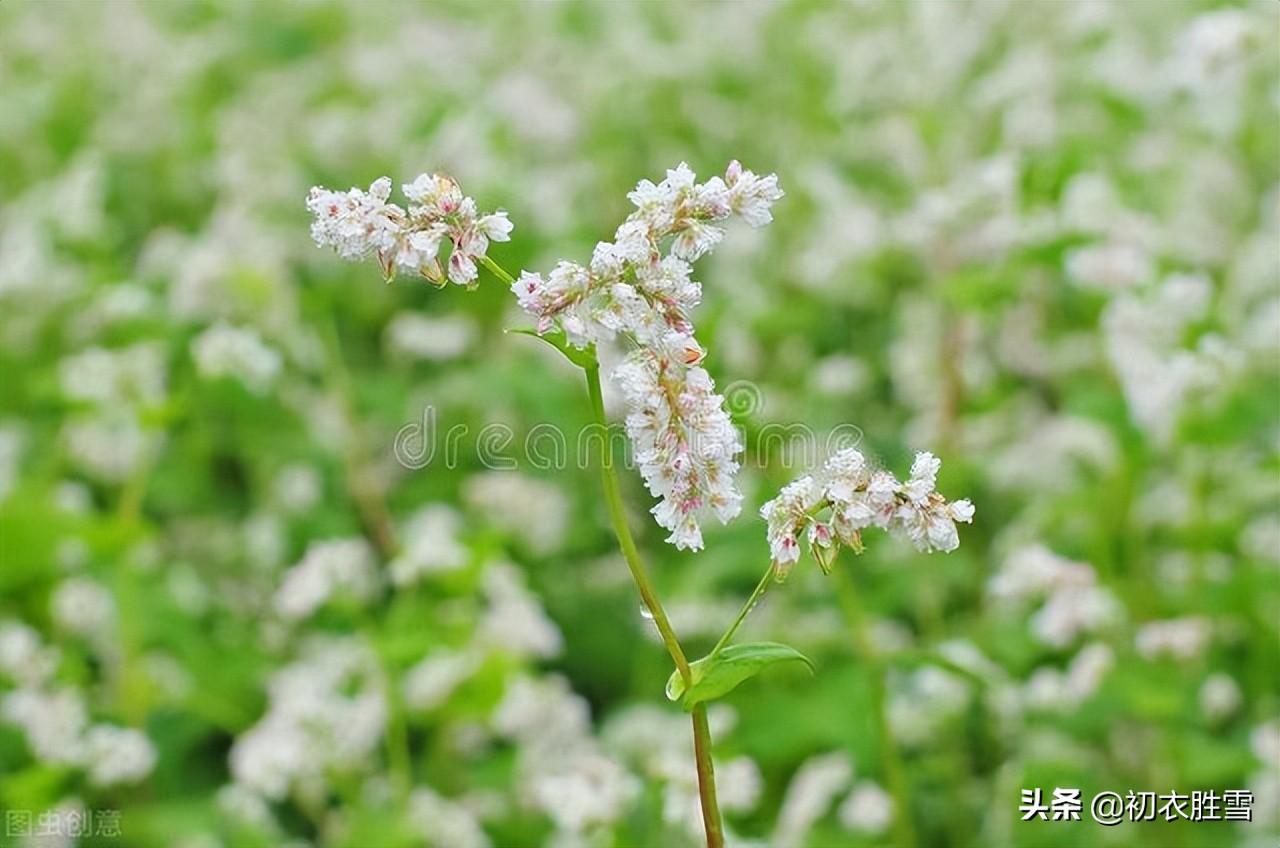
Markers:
<point>361,223</point>
<point>1074,604</point>
<point>562,770</point>
<point>858,497</point>
<point>327,712</point>
<point>684,441</point>
<point>55,720</point>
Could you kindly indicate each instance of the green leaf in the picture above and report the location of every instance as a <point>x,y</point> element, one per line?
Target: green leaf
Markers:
<point>581,357</point>
<point>718,674</point>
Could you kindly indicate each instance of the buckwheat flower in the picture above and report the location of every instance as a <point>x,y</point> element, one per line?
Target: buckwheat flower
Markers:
<point>685,444</point>
<point>359,224</point>
<point>854,498</point>
<point>751,196</point>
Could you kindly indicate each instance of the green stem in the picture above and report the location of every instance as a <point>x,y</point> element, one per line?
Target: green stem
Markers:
<point>701,731</point>
<point>497,270</point>
<point>706,777</point>
<point>890,760</point>
<point>618,518</point>
<point>761,588</point>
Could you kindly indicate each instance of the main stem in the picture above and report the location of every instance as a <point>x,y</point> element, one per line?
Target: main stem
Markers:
<point>613,499</point>
<point>701,731</point>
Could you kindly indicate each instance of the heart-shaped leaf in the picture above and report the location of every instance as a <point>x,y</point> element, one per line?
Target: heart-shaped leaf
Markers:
<point>581,357</point>
<point>717,674</point>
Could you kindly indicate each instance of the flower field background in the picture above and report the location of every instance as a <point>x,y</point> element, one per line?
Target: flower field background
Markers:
<point>254,593</point>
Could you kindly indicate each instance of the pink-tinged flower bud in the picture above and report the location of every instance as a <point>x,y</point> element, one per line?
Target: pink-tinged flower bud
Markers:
<point>732,173</point>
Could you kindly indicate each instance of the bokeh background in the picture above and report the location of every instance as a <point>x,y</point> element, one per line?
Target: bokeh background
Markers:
<point>1037,238</point>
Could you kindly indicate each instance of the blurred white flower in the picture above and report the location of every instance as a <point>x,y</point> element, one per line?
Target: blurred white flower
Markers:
<point>130,374</point>
<point>115,755</point>
<point>430,545</point>
<point>1060,691</point>
<point>414,336</point>
<point>1181,639</point>
<point>444,823</point>
<point>326,711</point>
<point>868,809</point>
<point>1220,697</point>
<point>83,606</point>
<point>237,352</point>
<point>515,621</point>
<point>329,568</point>
<point>533,510</point>
<point>433,679</point>
<point>810,794</point>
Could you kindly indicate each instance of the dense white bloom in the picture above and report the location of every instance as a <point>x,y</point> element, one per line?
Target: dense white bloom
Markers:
<point>684,441</point>
<point>855,497</point>
<point>868,809</point>
<point>1073,602</point>
<point>358,224</point>
<point>226,351</point>
<point>685,444</point>
<point>563,772</point>
<point>329,568</point>
<point>110,445</point>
